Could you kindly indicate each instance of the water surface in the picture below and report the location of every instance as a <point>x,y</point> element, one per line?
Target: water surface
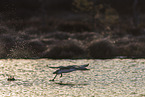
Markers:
<point>112,77</point>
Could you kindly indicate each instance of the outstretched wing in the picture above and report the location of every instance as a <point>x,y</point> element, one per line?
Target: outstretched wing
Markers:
<point>70,66</point>
<point>85,65</point>
<point>82,67</point>
<point>57,67</point>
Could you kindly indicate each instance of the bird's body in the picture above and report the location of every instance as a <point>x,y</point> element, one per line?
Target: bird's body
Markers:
<point>63,71</point>
<point>67,69</point>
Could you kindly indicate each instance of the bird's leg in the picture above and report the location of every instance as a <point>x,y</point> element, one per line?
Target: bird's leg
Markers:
<point>54,78</point>
<point>61,75</point>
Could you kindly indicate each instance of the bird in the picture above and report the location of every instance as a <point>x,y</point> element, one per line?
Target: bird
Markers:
<point>67,69</point>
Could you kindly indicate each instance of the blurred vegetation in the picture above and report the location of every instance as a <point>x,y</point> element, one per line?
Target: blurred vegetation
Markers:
<point>102,14</point>
<point>102,49</point>
<point>112,27</point>
<point>107,13</point>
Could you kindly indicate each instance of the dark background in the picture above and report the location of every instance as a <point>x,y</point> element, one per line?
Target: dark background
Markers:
<point>61,29</point>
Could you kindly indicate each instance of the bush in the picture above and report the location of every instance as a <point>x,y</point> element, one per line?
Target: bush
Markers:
<point>6,43</point>
<point>132,50</point>
<point>3,51</point>
<point>74,27</point>
<point>102,49</point>
<point>65,50</point>
<point>37,46</point>
<point>21,50</point>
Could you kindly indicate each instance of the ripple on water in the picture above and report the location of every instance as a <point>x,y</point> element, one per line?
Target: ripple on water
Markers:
<point>112,77</point>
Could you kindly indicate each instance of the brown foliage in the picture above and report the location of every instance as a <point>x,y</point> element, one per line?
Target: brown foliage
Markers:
<point>102,49</point>
<point>65,50</point>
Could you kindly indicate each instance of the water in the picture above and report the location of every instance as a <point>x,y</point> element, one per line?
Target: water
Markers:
<point>106,78</point>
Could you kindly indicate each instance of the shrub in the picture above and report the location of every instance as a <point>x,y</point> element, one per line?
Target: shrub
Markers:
<point>4,29</point>
<point>102,49</point>
<point>65,50</point>
<point>132,50</point>
<point>3,51</point>
<point>74,27</point>
<point>21,50</point>
<point>6,43</point>
<point>37,46</point>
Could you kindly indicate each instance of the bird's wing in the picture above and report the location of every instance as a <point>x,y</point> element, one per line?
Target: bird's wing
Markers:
<point>85,65</point>
<point>70,66</point>
<point>64,67</point>
<point>76,66</point>
<point>57,67</point>
<point>82,67</point>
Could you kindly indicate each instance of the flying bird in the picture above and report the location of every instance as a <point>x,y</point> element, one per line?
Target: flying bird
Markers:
<point>67,69</point>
